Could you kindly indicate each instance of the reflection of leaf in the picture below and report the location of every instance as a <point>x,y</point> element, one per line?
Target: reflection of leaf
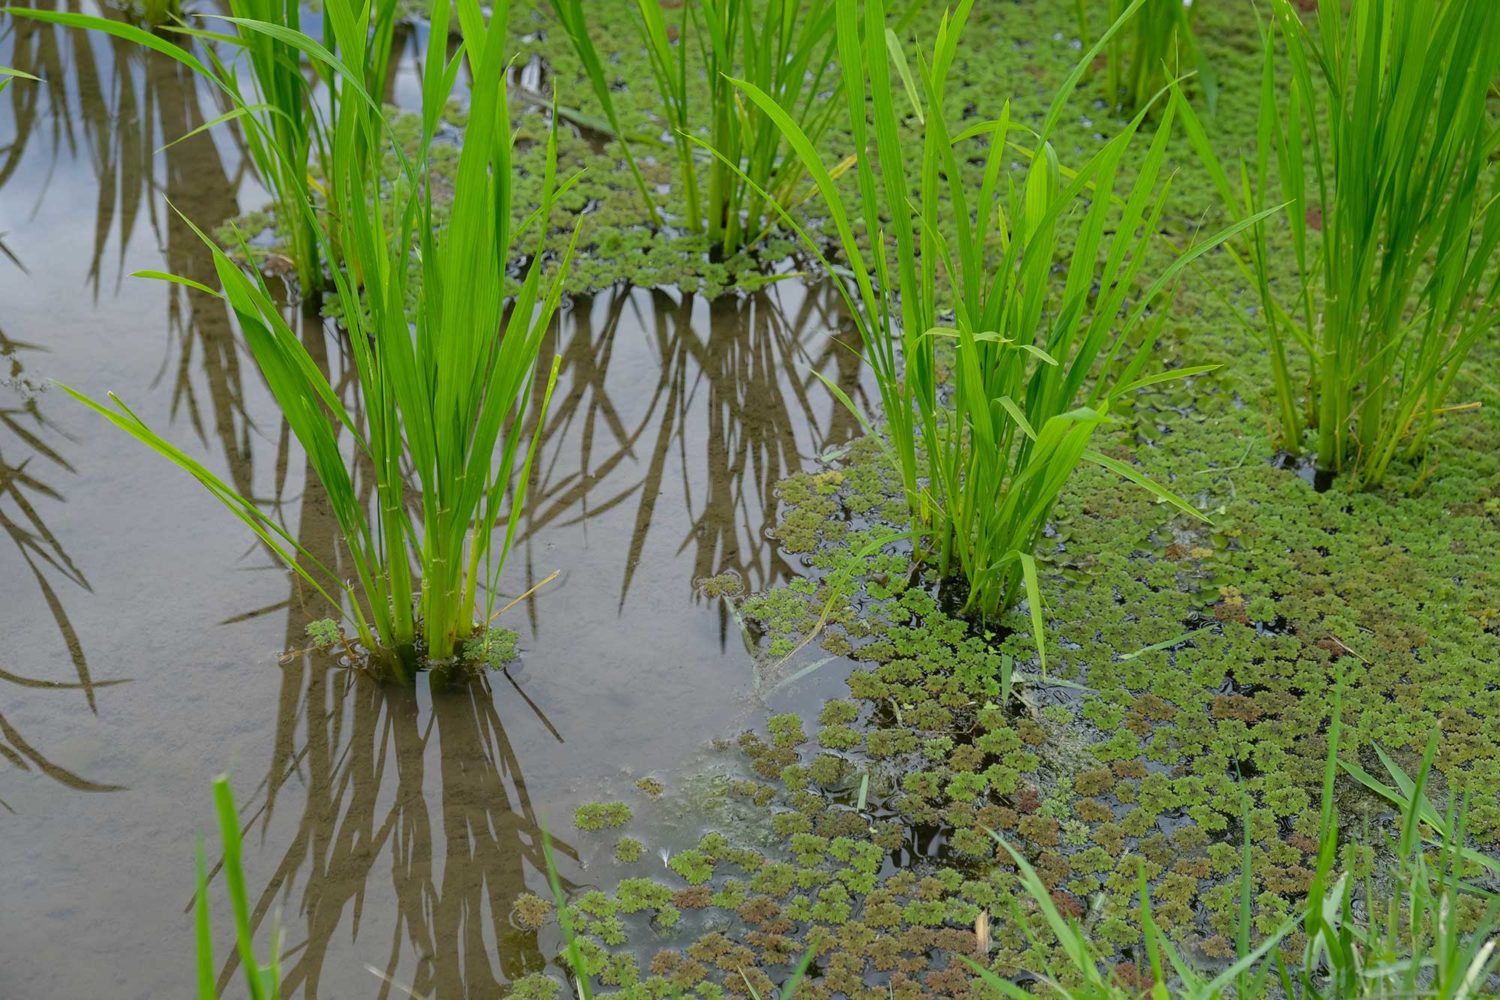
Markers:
<point>20,749</point>
<point>22,521</point>
<point>415,790</point>
<point>8,254</point>
<point>745,380</point>
<point>34,682</point>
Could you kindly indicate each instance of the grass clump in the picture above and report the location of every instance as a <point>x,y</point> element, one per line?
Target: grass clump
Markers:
<point>1393,217</point>
<point>784,46</point>
<point>1156,46</point>
<point>1039,360</point>
<point>446,359</point>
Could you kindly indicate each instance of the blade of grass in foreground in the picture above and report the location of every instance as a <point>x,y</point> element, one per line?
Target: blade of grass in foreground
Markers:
<point>263,982</point>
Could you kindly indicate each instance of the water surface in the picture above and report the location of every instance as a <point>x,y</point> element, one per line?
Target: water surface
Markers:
<point>150,644</point>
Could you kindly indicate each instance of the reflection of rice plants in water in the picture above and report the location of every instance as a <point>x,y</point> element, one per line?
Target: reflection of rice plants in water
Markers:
<point>131,108</point>
<point>125,107</point>
<point>22,490</point>
<point>432,794</point>
<point>29,457</point>
<point>716,401</point>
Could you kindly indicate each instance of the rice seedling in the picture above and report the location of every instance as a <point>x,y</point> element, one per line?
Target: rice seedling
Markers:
<point>785,47</point>
<point>1393,219</point>
<point>287,133</point>
<point>446,360</point>
<point>1156,46</point>
<point>1038,360</point>
<point>263,982</point>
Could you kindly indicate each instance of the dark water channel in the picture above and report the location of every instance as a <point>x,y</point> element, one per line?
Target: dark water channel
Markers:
<point>142,631</point>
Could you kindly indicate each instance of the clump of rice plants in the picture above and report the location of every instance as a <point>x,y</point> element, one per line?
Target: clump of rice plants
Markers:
<point>1038,358</point>
<point>446,358</point>
<point>785,47</point>
<point>1393,215</point>
<point>286,129</point>
<point>1156,46</point>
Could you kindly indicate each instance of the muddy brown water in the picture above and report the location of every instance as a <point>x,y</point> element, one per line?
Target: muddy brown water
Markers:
<point>142,631</point>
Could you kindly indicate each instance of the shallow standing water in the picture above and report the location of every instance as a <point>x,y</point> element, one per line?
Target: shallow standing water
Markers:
<point>143,630</point>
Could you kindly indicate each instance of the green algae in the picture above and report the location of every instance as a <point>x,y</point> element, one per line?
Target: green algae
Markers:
<point>534,986</point>
<point>493,649</point>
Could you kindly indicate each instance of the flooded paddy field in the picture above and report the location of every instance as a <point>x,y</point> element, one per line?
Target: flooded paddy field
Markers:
<point>751,726</point>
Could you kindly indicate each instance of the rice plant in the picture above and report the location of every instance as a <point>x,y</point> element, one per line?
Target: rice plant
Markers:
<point>286,128</point>
<point>1038,359</point>
<point>262,982</point>
<point>1156,46</point>
<point>1393,217</point>
<point>785,47</point>
<point>1402,937</point>
<point>446,359</point>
